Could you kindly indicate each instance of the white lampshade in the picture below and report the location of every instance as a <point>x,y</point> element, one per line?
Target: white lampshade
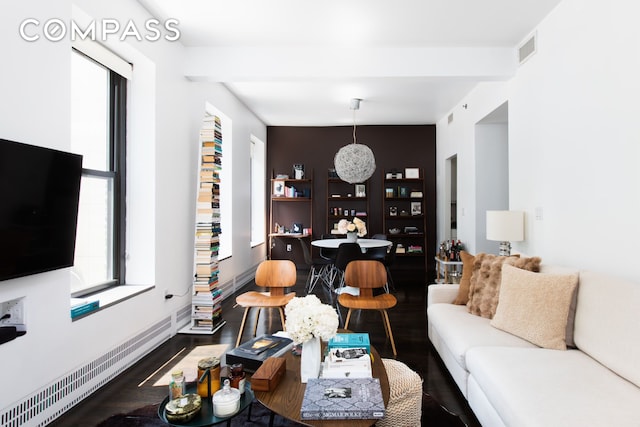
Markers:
<point>505,227</point>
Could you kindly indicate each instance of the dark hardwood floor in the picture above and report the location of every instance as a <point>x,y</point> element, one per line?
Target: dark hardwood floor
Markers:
<point>134,387</point>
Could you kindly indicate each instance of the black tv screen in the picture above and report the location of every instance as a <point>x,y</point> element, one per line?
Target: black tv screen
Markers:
<point>39,193</point>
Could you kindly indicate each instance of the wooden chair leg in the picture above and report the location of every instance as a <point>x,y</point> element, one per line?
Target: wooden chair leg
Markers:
<point>255,325</point>
<point>284,327</point>
<point>386,330</point>
<point>244,319</point>
<point>388,327</point>
<point>346,323</point>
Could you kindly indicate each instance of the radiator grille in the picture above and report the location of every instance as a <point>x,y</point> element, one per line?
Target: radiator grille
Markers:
<point>53,400</point>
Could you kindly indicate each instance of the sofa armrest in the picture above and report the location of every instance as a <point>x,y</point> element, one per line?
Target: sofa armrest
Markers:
<point>438,294</point>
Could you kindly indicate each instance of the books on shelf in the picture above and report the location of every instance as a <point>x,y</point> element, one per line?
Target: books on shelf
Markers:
<point>342,399</point>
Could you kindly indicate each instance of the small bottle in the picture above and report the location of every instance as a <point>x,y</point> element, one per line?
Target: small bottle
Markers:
<point>176,385</point>
<point>237,377</point>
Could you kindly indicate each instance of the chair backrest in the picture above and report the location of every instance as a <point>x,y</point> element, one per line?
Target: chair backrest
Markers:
<point>365,274</point>
<point>328,253</point>
<point>379,236</point>
<point>276,274</point>
<point>306,252</point>
<point>347,252</point>
<point>390,259</point>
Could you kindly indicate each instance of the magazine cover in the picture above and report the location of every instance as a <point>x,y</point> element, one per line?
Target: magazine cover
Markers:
<point>341,398</point>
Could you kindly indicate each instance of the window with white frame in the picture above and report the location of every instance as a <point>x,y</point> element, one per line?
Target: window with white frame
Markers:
<point>258,192</point>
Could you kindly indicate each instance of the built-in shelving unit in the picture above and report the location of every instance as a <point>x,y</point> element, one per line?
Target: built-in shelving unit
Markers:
<point>206,300</point>
<point>345,201</point>
<point>291,210</point>
<point>404,219</point>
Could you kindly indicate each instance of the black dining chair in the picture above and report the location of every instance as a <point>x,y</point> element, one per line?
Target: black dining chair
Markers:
<point>319,269</point>
<point>386,255</point>
<point>347,252</point>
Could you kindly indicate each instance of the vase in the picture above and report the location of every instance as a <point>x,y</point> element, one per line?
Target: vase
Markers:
<point>310,359</point>
<point>352,236</point>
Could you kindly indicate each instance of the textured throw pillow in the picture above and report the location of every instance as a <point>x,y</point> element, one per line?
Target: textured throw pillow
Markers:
<point>465,281</point>
<point>484,289</point>
<point>535,306</point>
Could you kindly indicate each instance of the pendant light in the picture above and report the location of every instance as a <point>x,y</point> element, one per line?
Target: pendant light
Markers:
<point>354,163</point>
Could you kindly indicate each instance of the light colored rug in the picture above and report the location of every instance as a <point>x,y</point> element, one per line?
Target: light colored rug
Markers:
<point>188,362</point>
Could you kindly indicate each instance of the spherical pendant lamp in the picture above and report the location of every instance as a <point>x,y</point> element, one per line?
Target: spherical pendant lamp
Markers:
<point>354,163</point>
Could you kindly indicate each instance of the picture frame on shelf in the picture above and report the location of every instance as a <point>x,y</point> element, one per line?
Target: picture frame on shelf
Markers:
<point>403,191</point>
<point>416,208</point>
<point>298,171</point>
<point>393,211</point>
<point>361,190</point>
<point>412,173</point>
<point>297,228</point>
<point>278,188</point>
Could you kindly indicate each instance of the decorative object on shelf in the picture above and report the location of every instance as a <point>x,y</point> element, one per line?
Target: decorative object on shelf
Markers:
<point>357,226</point>
<point>394,230</point>
<point>297,227</point>
<point>308,321</point>
<point>298,171</point>
<point>361,190</point>
<point>393,211</point>
<point>354,163</point>
<point>505,227</point>
<point>389,192</point>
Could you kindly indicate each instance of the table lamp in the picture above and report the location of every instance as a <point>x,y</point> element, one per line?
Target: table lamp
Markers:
<point>505,227</point>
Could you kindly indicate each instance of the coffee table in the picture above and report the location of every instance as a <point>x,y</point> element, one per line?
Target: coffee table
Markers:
<point>286,399</point>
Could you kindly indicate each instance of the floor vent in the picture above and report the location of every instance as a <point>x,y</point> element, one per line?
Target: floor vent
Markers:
<point>527,49</point>
<point>44,406</point>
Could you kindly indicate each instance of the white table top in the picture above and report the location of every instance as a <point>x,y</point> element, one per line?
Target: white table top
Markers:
<point>364,243</point>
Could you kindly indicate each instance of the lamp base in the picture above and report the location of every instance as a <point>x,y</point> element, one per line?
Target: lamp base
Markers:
<point>505,249</point>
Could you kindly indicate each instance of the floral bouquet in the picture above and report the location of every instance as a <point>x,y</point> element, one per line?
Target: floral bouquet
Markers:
<point>356,225</point>
<point>307,317</point>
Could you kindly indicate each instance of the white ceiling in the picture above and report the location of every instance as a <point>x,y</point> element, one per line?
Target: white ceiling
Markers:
<point>299,63</point>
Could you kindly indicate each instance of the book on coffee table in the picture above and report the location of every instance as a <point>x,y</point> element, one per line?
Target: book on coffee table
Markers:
<point>252,353</point>
<point>342,399</point>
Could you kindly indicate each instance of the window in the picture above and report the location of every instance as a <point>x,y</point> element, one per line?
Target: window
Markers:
<point>98,132</point>
<point>258,192</point>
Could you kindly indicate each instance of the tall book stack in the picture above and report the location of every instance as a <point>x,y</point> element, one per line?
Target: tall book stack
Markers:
<point>206,301</point>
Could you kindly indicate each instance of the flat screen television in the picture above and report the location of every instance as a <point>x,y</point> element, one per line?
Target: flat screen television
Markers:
<point>39,194</point>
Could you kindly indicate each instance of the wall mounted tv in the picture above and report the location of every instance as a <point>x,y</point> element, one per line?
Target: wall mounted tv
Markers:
<point>39,193</point>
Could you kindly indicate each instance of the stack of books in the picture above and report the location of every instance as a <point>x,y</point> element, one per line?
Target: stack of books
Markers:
<point>348,356</point>
<point>253,353</point>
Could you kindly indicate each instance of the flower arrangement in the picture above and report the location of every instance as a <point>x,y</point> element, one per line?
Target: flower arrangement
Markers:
<point>357,225</point>
<point>307,317</point>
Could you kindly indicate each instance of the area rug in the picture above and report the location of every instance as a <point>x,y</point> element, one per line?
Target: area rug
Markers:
<point>433,415</point>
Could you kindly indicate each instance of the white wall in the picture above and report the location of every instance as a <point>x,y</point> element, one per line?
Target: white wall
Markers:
<point>165,110</point>
<point>574,138</point>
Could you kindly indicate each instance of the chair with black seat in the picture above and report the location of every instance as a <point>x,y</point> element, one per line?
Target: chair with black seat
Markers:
<point>347,252</point>
<point>319,269</point>
<point>276,276</point>
<point>367,275</point>
<point>388,261</point>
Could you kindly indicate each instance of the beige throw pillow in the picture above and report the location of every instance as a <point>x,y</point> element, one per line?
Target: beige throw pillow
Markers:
<point>535,306</point>
<point>465,281</point>
<point>484,289</point>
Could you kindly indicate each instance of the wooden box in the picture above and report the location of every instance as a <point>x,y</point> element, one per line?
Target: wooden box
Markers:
<point>269,374</point>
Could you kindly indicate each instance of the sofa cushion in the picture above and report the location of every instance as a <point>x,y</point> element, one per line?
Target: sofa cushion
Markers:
<point>540,387</point>
<point>460,331</point>
<point>485,281</point>
<point>465,281</point>
<point>607,326</point>
<point>535,306</point>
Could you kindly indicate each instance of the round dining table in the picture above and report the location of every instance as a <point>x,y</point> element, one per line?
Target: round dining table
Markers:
<point>364,243</point>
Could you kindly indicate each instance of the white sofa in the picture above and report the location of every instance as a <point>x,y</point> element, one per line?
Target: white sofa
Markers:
<point>509,381</point>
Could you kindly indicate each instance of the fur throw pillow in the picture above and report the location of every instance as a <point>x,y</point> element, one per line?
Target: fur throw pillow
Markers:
<point>465,281</point>
<point>484,288</point>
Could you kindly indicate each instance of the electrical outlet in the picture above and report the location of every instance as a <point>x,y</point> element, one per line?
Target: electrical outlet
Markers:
<point>288,247</point>
<point>15,308</point>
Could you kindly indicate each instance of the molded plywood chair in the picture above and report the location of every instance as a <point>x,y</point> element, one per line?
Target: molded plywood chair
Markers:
<point>368,275</point>
<point>276,276</point>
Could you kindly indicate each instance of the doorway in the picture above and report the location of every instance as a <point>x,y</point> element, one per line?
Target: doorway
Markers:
<point>492,171</point>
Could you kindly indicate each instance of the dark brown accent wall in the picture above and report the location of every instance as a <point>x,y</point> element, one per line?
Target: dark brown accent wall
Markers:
<point>393,146</point>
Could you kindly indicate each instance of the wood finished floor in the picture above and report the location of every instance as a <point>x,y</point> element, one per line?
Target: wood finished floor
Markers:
<point>134,389</point>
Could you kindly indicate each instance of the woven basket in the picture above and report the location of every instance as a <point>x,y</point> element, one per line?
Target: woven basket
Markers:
<point>405,396</point>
